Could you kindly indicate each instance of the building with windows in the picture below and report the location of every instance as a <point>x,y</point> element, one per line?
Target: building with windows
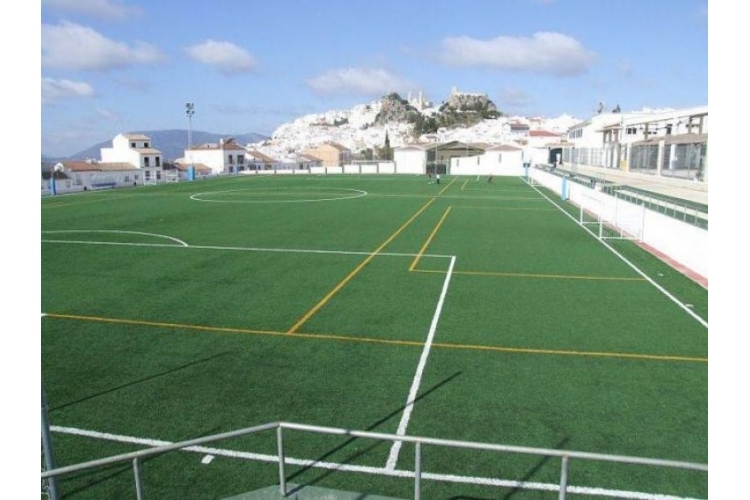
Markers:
<point>132,160</point>
<point>665,143</point>
<point>134,149</point>
<point>259,161</point>
<point>226,157</point>
<point>332,154</point>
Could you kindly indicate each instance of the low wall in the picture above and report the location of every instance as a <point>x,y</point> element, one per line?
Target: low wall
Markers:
<point>684,243</point>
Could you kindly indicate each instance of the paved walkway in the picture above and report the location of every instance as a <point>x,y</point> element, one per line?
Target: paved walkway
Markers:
<point>696,192</point>
<point>296,492</point>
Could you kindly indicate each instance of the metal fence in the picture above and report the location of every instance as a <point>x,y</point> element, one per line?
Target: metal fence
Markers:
<point>136,458</point>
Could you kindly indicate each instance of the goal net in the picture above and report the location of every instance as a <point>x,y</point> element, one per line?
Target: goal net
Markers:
<point>173,176</point>
<point>610,217</point>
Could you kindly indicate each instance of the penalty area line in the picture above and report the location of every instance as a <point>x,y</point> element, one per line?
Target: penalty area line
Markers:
<point>404,423</point>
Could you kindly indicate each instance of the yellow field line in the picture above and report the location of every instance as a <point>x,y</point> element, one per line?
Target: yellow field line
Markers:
<point>446,187</point>
<point>344,338</point>
<point>85,202</point>
<point>429,240</point>
<point>356,270</point>
<point>522,350</point>
<point>531,275</point>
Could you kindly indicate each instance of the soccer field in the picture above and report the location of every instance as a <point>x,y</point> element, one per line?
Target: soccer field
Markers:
<point>464,310</point>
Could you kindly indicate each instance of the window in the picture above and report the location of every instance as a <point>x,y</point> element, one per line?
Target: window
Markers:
<point>573,134</point>
<point>146,161</point>
<point>231,159</point>
<point>132,144</point>
<point>631,130</point>
<point>157,161</point>
<point>241,159</point>
<point>145,144</point>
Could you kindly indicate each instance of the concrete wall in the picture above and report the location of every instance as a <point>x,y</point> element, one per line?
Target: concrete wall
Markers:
<point>684,243</point>
<point>497,163</point>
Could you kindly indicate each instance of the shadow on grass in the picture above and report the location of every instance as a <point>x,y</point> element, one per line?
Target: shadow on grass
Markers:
<point>140,381</point>
<point>106,473</point>
<point>541,463</point>
<point>366,450</point>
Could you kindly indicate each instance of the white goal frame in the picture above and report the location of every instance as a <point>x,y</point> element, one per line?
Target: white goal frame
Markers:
<point>609,218</point>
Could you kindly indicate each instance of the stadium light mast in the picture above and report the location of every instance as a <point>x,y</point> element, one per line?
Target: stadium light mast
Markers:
<point>189,112</point>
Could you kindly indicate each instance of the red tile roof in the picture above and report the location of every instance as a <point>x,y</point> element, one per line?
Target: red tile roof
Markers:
<point>542,133</point>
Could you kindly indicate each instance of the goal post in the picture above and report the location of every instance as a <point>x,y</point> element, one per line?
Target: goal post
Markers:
<point>172,176</point>
<point>610,217</point>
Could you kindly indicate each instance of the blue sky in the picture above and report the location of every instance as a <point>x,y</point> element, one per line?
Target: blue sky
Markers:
<point>110,66</point>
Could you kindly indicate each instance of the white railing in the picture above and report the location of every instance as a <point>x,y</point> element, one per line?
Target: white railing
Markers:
<point>565,455</point>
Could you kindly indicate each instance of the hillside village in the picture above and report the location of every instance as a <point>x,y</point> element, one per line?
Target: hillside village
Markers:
<point>413,135</point>
<point>474,119</point>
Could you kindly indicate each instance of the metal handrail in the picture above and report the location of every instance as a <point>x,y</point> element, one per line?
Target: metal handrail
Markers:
<point>565,455</point>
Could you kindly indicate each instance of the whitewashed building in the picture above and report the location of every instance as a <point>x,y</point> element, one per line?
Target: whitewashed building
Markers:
<point>226,157</point>
<point>667,143</point>
<point>495,160</point>
<point>135,149</point>
<point>410,159</point>
<point>132,160</point>
<point>538,146</point>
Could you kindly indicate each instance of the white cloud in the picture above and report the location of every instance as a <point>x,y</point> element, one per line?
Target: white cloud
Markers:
<point>107,115</point>
<point>357,81</point>
<point>226,57</point>
<point>75,47</point>
<point>103,9</point>
<point>53,90</point>
<point>544,52</point>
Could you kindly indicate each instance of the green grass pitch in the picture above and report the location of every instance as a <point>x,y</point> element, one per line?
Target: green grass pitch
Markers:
<point>183,310</point>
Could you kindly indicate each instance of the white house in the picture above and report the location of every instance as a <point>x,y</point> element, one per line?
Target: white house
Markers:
<point>538,146</point>
<point>410,159</point>
<point>131,160</point>
<point>226,157</point>
<point>259,161</point>
<point>135,149</point>
<point>496,160</point>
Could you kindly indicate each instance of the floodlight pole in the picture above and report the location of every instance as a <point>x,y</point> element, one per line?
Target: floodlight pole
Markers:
<point>190,111</point>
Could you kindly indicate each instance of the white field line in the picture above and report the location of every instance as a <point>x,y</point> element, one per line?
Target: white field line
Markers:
<point>241,249</point>
<point>358,194</point>
<point>484,481</point>
<point>401,431</point>
<point>119,232</point>
<point>633,266</point>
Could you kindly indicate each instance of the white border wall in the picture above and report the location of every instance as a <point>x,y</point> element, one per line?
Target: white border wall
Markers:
<point>684,243</point>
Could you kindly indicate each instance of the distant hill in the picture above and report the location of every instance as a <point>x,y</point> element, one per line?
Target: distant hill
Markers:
<point>171,143</point>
